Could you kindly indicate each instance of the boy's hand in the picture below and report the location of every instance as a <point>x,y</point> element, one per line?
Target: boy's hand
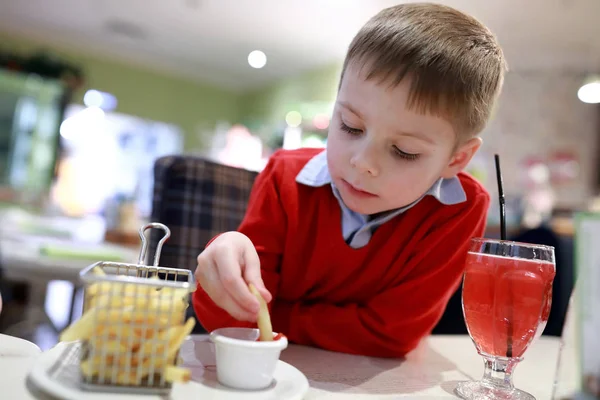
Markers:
<point>225,268</point>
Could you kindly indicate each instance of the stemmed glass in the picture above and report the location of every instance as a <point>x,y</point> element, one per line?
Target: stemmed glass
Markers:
<point>506,298</point>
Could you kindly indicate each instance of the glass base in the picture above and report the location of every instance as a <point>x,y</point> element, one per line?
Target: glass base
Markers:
<point>472,390</point>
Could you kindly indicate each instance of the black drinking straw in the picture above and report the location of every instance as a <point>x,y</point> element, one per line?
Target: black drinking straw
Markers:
<point>501,199</point>
<point>509,340</point>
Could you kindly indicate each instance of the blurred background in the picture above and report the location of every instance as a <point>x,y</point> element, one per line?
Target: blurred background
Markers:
<point>92,93</point>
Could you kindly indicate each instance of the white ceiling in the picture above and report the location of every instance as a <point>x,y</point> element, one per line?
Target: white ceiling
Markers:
<point>209,40</point>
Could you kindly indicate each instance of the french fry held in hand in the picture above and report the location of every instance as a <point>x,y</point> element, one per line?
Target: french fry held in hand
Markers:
<point>264,319</point>
<point>133,332</point>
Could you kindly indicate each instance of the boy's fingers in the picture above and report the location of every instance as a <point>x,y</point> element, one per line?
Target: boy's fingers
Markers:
<point>208,277</point>
<point>265,294</point>
<point>260,286</point>
<point>233,308</point>
<point>230,276</point>
<point>222,298</point>
<point>252,273</point>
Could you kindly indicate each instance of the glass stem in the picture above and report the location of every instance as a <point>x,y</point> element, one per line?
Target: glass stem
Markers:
<point>498,372</point>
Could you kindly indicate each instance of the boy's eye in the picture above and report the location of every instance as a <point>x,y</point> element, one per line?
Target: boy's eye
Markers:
<point>352,131</point>
<point>397,152</point>
<point>404,155</point>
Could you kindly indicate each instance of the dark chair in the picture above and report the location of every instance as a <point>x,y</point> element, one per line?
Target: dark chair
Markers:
<point>197,199</point>
<point>564,279</point>
<point>452,321</point>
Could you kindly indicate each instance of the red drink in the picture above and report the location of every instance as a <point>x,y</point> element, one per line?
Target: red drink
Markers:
<point>506,302</point>
<point>507,293</point>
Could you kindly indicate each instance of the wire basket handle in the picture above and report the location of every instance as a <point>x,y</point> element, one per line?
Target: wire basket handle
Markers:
<point>145,243</point>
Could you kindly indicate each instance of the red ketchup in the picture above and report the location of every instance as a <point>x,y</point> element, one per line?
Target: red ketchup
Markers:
<point>276,337</point>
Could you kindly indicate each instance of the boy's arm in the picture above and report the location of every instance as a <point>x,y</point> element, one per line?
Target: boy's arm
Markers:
<point>392,323</point>
<point>265,224</point>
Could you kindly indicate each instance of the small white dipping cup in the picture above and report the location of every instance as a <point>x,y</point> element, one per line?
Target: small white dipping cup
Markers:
<point>242,362</point>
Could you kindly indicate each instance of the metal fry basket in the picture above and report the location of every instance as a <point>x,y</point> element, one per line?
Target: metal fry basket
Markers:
<point>136,314</point>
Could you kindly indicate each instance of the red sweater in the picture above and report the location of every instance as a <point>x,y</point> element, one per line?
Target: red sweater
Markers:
<point>377,300</point>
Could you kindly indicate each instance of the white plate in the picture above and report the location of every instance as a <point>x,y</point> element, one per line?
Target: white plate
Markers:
<point>56,372</point>
<point>11,346</point>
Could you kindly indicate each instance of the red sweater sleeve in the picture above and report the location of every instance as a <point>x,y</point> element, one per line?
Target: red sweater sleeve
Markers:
<point>393,322</point>
<point>265,224</point>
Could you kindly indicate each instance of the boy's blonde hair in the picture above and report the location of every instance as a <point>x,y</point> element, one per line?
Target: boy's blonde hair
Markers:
<point>455,64</point>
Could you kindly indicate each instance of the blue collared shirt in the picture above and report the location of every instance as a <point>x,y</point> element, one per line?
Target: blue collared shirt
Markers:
<point>358,228</point>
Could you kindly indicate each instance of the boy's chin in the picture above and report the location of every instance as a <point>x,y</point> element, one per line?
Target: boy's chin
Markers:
<point>370,208</point>
<point>364,207</point>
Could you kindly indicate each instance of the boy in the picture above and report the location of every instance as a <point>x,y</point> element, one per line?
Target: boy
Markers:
<point>359,247</point>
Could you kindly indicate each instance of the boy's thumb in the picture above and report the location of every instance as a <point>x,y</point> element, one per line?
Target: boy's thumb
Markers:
<point>260,286</point>
<point>265,293</point>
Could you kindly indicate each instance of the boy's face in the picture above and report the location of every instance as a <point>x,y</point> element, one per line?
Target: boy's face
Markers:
<point>382,155</point>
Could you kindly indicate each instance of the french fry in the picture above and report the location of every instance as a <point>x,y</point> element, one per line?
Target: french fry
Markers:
<point>264,319</point>
<point>177,374</point>
<point>173,337</point>
<point>82,328</point>
<point>166,300</point>
<point>133,332</point>
<point>112,346</point>
<point>98,271</point>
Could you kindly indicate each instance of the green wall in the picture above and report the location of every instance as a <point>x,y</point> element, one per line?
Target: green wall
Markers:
<point>269,105</point>
<point>194,107</point>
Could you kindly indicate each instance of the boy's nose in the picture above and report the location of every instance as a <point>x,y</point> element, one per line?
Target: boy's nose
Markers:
<point>365,163</point>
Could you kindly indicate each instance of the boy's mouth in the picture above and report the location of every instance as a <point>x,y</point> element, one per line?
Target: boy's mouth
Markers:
<point>357,191</point>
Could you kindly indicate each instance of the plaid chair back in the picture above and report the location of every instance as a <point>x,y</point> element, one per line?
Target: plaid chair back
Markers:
<point>197,199</point>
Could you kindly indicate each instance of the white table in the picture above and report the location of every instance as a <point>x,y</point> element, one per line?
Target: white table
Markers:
<point>430,372</point>
<point>16,357</point>
<point>15,347</point>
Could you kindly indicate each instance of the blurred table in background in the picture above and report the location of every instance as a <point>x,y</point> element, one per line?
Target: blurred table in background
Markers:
<point>47,253</point>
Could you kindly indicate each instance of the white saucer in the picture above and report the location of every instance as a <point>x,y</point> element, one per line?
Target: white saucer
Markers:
<point>11,346</point>
<point>56,372</point>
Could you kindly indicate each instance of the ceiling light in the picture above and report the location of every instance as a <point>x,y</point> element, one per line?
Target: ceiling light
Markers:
<point>589,92</point>
<point>82,123</point>
<point>103,100</point>
<point>293,119</point>
<point>257,59</point>
<point>321,121</point>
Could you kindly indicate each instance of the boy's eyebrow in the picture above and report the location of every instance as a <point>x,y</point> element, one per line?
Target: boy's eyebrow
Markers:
<point>416,135</point>
<point>348,107</point>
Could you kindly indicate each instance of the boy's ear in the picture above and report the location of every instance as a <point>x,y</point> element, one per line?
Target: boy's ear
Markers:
<point>461,157</point>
